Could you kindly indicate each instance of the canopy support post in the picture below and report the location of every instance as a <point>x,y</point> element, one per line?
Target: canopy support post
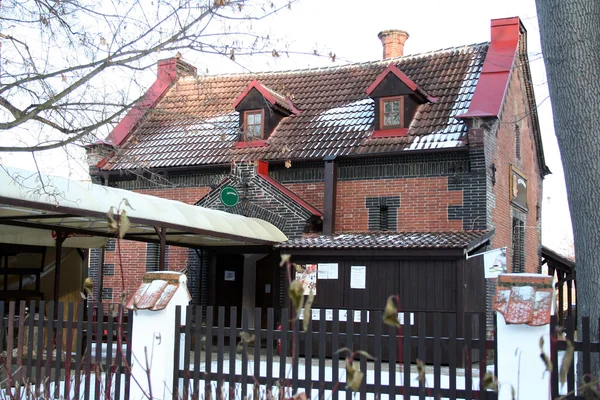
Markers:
<point>60,238</point>
<point>162,235</point>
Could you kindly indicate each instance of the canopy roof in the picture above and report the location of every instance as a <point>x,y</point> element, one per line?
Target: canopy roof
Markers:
<point>33,207</point>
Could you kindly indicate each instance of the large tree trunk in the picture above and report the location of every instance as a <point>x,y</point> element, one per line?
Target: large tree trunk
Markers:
<point>570,33</point>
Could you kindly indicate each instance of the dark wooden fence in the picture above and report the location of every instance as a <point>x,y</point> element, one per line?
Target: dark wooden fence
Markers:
<point>585,345</point>
<point>57,351</point>
<point>269,364</point>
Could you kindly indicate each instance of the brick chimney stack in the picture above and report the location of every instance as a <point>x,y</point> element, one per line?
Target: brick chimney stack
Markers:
<point>393,42</point>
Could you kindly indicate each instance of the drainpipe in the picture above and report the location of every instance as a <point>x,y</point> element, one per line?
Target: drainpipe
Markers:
<point>330,195</point>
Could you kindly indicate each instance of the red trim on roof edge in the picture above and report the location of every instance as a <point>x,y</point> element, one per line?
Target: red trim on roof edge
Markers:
<point>265,93</point>
<point>403,77</point>
<point>383,133</point>
<point>493,83</point>
<point>167,74</point>
<point>252,143</point>
<point>254,85</point>
<point>263,171</point>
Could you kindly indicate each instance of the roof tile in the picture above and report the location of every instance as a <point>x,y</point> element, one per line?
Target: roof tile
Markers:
<point>386,240</point>
<point>336,115</point>
<point>524,298</point>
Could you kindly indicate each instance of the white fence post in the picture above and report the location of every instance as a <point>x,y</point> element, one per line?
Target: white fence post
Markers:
<point>152,339</point>
<point>524,304</point>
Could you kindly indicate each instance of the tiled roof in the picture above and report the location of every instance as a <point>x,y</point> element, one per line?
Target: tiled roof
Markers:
<point>524,298</point>
<point>157,290</point>
<point>195,123</point>
<point>387,240</point>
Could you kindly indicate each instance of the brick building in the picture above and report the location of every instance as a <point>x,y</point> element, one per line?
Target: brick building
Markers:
<point>405,164</point>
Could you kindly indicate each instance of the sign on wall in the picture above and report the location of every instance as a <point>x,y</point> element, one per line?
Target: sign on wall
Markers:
<point>229,196</point>
<point>518,188</point>
<point>342,315</point>
<point>328,271</point>
<point>494,262</point>
<point>230,275</point>
<point>358,277</point>
<point>308,278</point>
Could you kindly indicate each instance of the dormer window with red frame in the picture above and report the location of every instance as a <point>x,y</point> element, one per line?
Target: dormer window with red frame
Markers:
<point>392,112</point>
<point>254,125</point>
<point>261,110</point>
<point>397,99</point>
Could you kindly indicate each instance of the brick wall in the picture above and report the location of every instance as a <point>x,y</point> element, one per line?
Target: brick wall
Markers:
<point>312,192</point>
<point>261,199</point>
<point>133,257</point>
<point>423,206</point>
<point>188,195</point>
<point>133,254</point>
<point>515,112</point>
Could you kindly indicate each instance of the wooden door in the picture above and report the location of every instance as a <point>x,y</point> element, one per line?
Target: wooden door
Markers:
<point>229,284</point>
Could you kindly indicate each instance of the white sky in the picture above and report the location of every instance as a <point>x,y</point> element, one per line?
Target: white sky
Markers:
<point>349,29</point>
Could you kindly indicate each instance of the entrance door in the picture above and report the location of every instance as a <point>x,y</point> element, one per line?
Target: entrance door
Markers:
<point>267,285</point>
<point>229,285</point>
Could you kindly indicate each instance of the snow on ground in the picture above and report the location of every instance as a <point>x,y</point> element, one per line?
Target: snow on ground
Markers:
<point>314,394</point>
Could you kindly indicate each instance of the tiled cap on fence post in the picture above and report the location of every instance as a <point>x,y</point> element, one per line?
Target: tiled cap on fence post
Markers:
<point>155,302</point>
<point>524,305</point>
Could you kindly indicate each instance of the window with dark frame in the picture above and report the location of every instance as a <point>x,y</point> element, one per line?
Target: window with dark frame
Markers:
<point>391,112</point>
<point>518,245</point>
<point>253,125</point>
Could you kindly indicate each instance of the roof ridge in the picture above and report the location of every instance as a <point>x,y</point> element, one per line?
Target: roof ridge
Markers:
<point>383,62</point>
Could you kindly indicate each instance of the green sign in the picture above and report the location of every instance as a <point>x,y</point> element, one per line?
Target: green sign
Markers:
<point>229,196</point>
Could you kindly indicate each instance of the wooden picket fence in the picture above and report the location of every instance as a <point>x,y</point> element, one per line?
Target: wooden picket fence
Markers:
<point>50,350</point>
<point>585,344</point>
<point>229,361</point>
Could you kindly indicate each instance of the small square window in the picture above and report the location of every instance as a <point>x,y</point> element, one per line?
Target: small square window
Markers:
<point>392,113</point>
<point>253,125</point>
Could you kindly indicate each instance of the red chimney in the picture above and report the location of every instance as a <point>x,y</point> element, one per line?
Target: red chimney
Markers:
<point>171,68</point>
<point>393,42</point>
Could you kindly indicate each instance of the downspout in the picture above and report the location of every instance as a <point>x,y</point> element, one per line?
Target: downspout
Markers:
<point>330,195</point>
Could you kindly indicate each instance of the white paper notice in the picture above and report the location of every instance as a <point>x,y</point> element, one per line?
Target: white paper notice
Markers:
<point>328,271</point>
<point>329,315</point>
<point>322,272</point>
<point>401,318</point>
<point>316,314</point>
<point>357,315</point>
<point>358,277</point>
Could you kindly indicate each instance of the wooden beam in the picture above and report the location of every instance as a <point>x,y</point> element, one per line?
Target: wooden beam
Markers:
<point>36,216</point>
<point>378,253</point>
<point>330,195</point>
<point>100,275</point>
<point>163,248</point>
<point>60,238</point>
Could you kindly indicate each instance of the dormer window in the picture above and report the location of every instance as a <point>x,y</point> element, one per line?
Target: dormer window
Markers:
<point>254,125</point>
<point>397,100</point>
<point>392,112</point>
<point>261,111</point>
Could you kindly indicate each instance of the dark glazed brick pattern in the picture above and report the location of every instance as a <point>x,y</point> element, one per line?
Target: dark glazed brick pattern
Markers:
<point>262,200</point>
<point>390,206</point>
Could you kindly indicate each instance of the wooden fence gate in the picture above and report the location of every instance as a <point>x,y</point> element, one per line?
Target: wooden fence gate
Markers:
<point>585,344</point>
<point>255,361</point>
<point>49,351</point>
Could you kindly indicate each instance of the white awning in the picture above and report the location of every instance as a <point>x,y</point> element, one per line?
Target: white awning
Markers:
<point>33,207</point>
